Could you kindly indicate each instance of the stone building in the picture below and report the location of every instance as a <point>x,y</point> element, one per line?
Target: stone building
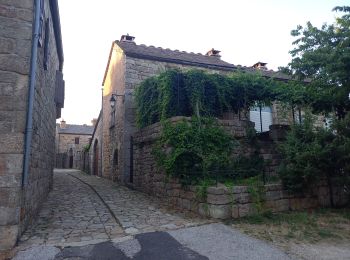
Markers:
<point>71,142</point>
<point>128,65</point>
<point>31,98</point>
<point>95,152</point>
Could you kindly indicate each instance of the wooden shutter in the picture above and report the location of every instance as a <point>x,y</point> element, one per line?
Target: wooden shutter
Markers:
<point>46,44</point>
<point>59,89</point>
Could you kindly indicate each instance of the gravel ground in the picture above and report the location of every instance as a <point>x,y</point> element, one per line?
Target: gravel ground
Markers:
<point>320,251</point>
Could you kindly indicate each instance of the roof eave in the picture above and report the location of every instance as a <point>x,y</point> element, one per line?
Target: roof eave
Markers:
<point>109,61</point>
<point>178,61</point>
<point>57,31</point>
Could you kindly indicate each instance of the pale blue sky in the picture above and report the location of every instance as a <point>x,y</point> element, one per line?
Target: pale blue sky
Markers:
<point>244,31</point>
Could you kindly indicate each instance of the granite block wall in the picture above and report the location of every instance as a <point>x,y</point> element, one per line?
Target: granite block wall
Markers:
<point>15,42</point>
<point>222,202</point>
<point>19,205</point>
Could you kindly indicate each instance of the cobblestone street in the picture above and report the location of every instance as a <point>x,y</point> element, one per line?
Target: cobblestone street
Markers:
<point>87,217</point>
<point>83,209</point>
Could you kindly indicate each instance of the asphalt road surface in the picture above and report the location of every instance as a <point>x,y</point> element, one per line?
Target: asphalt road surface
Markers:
<point>212,241</point>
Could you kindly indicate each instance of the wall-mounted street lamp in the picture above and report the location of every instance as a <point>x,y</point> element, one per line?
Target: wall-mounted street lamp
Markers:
<point>113,99</point>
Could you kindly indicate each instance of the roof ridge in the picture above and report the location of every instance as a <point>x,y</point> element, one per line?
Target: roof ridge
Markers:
<point>78,125</point>
<point>167,49</point>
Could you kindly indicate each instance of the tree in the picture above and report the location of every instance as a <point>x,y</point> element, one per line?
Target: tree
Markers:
<point>311,154</point>
<point>322,56</point>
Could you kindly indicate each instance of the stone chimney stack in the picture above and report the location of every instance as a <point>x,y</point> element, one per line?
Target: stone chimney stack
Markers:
<point>260,66</point>
<point>94,121</point>
<point>127,38</point>
<point>63,124</point>
<point>213,53</point>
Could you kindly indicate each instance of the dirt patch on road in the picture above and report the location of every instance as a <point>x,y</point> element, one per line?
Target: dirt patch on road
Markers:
<point>319,234</point>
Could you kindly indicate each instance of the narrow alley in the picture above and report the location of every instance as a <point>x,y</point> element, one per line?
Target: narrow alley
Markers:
<point>85,209</point>
<point>87,217</point>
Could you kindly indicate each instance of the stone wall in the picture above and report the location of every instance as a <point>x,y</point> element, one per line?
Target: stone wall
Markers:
<point>94,161</point>
<point>18,205</point>
<point>44,123</point>
<point>147,176</point>
<point>65,142</point>
<point>221,202</point>
<point>15,42</point>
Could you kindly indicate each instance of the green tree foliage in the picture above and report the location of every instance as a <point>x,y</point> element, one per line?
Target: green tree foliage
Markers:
<point>311,154</point>
<point>322,57</point>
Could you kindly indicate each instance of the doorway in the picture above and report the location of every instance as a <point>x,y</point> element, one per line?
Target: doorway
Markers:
<point>95,158</point>
<point>70,158</point>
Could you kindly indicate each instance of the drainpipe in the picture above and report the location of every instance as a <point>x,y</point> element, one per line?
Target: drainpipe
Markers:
<point>29,119</point>
<point>101,150</point>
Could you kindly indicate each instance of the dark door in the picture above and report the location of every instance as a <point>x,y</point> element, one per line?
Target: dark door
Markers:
<point>70,158</point>
<point>95,159</point>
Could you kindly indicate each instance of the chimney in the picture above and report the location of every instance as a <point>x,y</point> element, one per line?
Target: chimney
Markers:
<point>213,52</point>
<point>260,66</point>
<point>127,38</point>
<point>63,124</point>
<point>94,121</point>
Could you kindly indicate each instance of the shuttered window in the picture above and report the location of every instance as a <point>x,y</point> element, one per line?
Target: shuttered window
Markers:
<point>46,44</point>
<point>262,125</point>
<point>59,93</point>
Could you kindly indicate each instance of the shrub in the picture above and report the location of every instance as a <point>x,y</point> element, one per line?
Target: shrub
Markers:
<point>191,150</point>
<point>310,154</point>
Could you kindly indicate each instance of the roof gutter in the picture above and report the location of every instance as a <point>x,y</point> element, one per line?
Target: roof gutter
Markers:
<point>32,81</point>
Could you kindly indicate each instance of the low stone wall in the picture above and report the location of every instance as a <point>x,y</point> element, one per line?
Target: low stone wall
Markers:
<point>221,202</point>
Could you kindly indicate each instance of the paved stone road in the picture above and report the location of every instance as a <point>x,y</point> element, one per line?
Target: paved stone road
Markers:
<point>74,214</point>
<point>138,212</point>
<point>86,217</point>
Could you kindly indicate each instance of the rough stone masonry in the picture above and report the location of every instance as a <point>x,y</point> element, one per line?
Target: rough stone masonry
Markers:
<point>19,204</point>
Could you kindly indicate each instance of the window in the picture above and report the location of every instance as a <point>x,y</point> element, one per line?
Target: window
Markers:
<point>46,44</point>
<point>298,115</point>
<point>59,93</point>
<point>262,117</point>
<point>76,140</point>
<point>112,122</point>
<point>115,157</point>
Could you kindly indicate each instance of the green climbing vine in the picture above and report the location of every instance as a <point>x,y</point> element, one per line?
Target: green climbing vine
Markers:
<point>191,149</point>
<point>256,190</point>
<point>197,93</point>
<point>198,151</point>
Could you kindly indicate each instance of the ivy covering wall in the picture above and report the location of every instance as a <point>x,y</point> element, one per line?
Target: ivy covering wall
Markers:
<point>197,93</point>
<point>198,150</point>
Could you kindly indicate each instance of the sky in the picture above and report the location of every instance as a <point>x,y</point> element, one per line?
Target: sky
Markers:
<point>245,31</point>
